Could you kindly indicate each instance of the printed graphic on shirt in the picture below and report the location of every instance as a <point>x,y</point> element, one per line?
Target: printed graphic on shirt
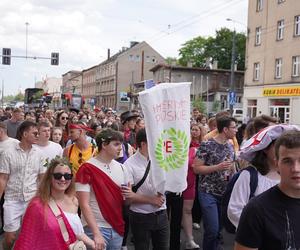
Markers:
<point>290,238</point>
<point>171,151</point>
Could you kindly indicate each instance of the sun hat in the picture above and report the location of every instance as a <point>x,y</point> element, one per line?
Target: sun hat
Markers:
<point>263,139</point>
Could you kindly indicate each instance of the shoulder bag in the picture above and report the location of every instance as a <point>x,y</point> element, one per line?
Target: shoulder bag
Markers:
<point>78,244</point>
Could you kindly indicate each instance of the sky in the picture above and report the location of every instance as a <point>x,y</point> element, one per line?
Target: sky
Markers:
<point>82,31</point>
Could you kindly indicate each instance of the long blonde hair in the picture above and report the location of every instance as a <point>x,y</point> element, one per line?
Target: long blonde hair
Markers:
<point>44,190</point>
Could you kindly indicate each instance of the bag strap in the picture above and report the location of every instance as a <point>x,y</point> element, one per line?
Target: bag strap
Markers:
<point>253,180</point>
<point>70,151</point>
<point>140,183</point>
<point>52,204</point>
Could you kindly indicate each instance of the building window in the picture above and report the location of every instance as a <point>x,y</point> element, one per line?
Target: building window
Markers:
<point>278,68</point>
<point>281,1</point>
<point>251,109</point>
<point>296,66</point>
<point>258,36</point>
<point>131,57</point>
<point>297,25</point>
<point>280,29</point>
<point>259,5</point>
<point>256,71</point>
<point>148,59</point>
<point>137,58</point>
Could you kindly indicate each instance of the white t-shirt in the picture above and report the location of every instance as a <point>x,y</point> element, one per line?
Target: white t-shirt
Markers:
<point>135,167</point>
<point>50,151</point>
<point>241,192</point>
<point>116,172</point>
<point>74,222</point>
<point>8,143</point>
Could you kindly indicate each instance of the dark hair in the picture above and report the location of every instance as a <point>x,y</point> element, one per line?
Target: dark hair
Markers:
<point>289,139</point>
<point>141,137</point>
<point>24,127</point>
<point>260,162</point>
<point>262,121</point>
<point>43,124</point>
<point>200,117</point>
<point>222,114</point>
<point>106,136</point>
<point>224,122</point>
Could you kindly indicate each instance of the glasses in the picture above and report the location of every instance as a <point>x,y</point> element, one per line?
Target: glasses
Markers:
<point>80,161</point>
<point>58,176</point>
<point>64,118</point>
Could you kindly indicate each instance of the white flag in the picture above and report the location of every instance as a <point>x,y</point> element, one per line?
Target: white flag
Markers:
<point>166,109</point>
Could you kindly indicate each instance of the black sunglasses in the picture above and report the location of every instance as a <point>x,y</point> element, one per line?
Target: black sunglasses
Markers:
<point>64,118</point>
<point>58,176</point>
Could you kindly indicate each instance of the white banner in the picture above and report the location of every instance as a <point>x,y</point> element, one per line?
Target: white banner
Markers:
<point>166,109</point>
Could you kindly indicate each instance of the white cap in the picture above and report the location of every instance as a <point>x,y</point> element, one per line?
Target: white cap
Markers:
<point>263,139</point>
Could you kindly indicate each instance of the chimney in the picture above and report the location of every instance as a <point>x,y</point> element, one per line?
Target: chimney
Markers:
<point>108,53</point>
<point>132,43</point>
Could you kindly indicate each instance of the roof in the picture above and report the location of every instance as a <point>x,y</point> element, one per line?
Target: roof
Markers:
<point>177,67</point>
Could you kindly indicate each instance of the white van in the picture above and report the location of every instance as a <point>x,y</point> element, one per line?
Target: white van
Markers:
<point>237,114</point>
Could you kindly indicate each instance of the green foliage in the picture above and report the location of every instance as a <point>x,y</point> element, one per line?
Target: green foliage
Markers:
<point>216,106</point>
<point>10,98</point>
<point>19,97</point>
<point>198,103</point>
<point>171,60</point>
<point>218,48</point>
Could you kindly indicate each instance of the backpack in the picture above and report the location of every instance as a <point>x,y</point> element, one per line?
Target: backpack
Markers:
<point>229,227</point>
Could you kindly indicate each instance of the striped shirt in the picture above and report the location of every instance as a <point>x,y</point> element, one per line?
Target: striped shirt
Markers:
<point>23,168</point>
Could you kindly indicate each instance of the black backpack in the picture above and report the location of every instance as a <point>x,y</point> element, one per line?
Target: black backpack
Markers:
<point>229,227</point>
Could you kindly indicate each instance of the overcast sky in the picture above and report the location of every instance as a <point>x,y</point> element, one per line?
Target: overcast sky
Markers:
<point>82,30</point>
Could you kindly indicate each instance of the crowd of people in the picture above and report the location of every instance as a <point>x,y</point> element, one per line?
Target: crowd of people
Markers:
<point>71,177</point>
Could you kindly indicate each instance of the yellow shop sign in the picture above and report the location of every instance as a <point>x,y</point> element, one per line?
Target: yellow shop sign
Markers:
<point>282,91</point>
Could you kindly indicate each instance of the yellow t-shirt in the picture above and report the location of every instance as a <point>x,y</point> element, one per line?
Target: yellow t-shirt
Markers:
<point>77,157</point>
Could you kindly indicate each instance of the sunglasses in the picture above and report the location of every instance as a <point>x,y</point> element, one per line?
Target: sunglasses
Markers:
<point>58,176</point>
<point>64,118</point>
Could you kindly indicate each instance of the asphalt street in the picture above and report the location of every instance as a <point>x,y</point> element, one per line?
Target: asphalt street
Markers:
<point>198,234</point>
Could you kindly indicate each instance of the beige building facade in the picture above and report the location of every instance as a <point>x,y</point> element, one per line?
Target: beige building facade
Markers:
<point>133,65</point>
<point>272,77</point>
<point>89,85</point>
<point>72,82</point>
<point>108,83</point>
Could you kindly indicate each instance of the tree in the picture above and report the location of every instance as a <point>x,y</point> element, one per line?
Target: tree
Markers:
<point>218,48</point>
<point>19,97</point>
<point>198,103</point>
<point>171,60</point>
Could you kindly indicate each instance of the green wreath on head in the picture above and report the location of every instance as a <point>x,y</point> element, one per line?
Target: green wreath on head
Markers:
<point>180,145</point>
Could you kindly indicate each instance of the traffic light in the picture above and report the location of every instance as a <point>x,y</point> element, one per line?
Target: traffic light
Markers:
<point>54,58</point>
<point>6,56</point>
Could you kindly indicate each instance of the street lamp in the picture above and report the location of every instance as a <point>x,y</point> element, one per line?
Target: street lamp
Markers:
<point>233,57</point>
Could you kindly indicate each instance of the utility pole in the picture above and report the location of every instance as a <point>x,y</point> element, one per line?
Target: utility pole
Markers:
<point>233,56</point>
<point>2,98</point>
<point>232,72</point>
